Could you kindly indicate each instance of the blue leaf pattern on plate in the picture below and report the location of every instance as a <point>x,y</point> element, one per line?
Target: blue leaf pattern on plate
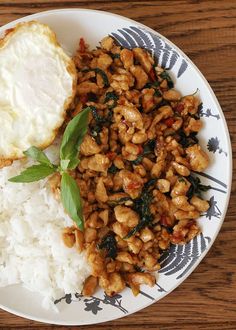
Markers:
<point>144,36</point>
<point>213,210</point>
<point>136,36</point>
<point>94,304</point>
<point>182,68</point>
<point>165,54</point>
<point>128,38</point>
<point>213,145</point>
<point>182,257</point>
<point>208,113</point>
<point>173,59</point>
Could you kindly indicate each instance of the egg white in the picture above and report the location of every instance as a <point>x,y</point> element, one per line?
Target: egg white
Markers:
<point>37,84</point>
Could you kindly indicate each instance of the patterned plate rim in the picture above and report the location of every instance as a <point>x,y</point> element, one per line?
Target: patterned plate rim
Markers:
<point>229,178</point>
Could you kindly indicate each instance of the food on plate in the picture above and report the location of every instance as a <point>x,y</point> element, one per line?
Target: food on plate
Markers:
<point>124,171</point>
<point>37,85</point>
<point>136,166</point>
<point>31,250</point>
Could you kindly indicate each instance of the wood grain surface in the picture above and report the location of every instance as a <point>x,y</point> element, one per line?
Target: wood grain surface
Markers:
<point>206,32</point>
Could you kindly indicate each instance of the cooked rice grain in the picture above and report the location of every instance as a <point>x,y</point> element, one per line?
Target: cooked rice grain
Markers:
<point>32,252</point>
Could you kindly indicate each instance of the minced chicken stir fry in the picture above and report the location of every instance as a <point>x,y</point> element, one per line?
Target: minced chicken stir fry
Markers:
<point>136,166</point>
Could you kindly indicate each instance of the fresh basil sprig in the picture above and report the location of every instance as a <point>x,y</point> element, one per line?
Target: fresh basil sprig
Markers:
<point>72,139</point>
<point>70,196</point>
<point>69,152</point>
<point>38,155</point>
<point>34,173</point>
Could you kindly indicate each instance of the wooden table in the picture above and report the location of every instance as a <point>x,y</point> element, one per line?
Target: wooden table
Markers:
<point>206,32</point>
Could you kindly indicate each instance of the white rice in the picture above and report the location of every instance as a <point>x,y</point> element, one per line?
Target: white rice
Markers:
<point>31,249</point>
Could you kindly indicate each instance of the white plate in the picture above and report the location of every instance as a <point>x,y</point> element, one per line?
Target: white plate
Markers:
<point>179,261</point>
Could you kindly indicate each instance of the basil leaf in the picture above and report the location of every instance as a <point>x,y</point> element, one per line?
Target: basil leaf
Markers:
<point>196,187</point>
<point>64,164</point>
<point>165,76</point>
<point>69,164</point>
<point>113,169</point>
<point>109,244</point>
<point>99,119</point>
<point>33,173</point>
<point>103,75</point>
<point>73,137</point>
<point>142,207</point>
<point>38,155</point>
<point>70,196</point>
<point>73,163</point>
<point>147,149</point>
<point>111,96</point>
<point>116,55</point>
<point>187,141</point>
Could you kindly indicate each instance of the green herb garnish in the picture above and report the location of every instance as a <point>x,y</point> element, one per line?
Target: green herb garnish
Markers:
<point>120,201</point>
<point>72,139</point>
<point>111,96</point>
<point>69,152</point>
<point>100,122</point>
<point>155,86</point>
<point>116,55</point>
<point>162,103</point>
<point>95,133</point>
<point>113,169</point>
<point>196,187</point>
<point>165,76</point>
<point>38,155</point>
<point>142,207</point>
<point>157,93</point>
<point>102,74</point>
<point>98,119</point>
<point>187,140</point>
<point>181,179</point>
<point>70,196</point>
<point>152,84</point>
<point>109,244</point>
<point>34,173</point>
<point>147,149</point>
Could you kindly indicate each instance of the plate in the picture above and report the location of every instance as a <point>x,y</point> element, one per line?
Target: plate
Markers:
<point>179,261</point>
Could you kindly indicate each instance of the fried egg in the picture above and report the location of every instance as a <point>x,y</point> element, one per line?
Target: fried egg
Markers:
<point>37,85</point>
